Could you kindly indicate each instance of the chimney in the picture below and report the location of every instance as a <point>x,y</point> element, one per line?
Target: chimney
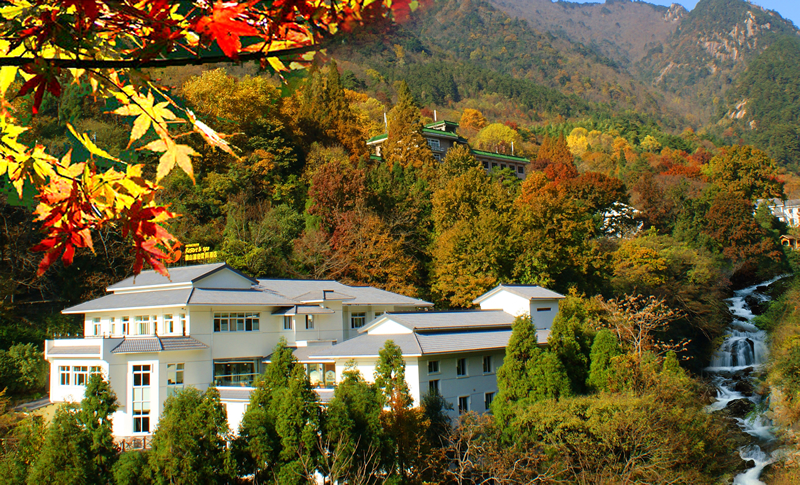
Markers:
<point>434,116</point>
<point>385,121</point>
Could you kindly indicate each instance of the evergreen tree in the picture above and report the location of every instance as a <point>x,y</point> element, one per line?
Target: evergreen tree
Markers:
<point>18,454</point>
<point>457,162</point>
<point>353,427</point>
<point>604,348</point>
<point>190,443</point>
<point>405,144</point>
<point>390,376</point>
<point>66,455</point>
<point>278,437</point>
<point>97,407</point>
<point>528,374</point>
<point>131,469</point>
<point>569,341</point>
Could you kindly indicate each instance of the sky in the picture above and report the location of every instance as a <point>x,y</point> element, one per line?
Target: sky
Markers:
<point>789,9</point>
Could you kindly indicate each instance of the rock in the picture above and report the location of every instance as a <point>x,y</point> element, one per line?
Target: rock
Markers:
<point>739,408</point>
<point>757,306</point>
<point>744,386</point>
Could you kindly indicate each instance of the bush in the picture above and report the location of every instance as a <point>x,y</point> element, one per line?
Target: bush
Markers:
<point>23,369</point>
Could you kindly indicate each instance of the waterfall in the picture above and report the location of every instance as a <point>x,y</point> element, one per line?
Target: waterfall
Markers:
<point>743,350</point>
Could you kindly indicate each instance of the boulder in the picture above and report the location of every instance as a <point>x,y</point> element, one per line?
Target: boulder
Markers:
<point>757,306</point>
<point>744,386</point>
<point>739,408</point>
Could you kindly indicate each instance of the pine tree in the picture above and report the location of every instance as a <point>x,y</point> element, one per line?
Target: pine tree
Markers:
<point>405,144</point>
<point>95,414</point>
<point>190,443</point>
<point>604,348</point>
<point>65,457</point>
<point>528,374</point>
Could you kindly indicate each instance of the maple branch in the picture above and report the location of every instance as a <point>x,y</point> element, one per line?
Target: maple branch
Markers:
<point>158,63</point>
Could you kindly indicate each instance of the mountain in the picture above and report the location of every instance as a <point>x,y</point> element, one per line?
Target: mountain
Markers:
<point>764,106</point>
<point>622,30</point>
<point>712,45</point>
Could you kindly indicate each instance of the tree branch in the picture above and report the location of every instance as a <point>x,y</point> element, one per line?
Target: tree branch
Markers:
<point>156,63</point>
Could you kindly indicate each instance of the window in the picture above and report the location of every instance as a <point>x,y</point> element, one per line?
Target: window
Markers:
<point>235,372</point>
<point>433,386</point>
<point>434,143</point>
<point>309,322</point>
<point>287,323</point>
<point>169,323</point>
<point>494,165</point>
<point>96,326</point>
<point>487,364</point>
<point>236,322</point>
<point>487,400</point>
<point>461,367</point>
<point>438,157</point>
<point>543,309</point>
<point>357,320</point>
<point>183,324</point>
<point>155,324</point>
<point>125,325</point>
<point>141,325</point>
<point>486,165</point>
<point>503,166</point>
<point>63,374</point>
<point>80,374</point>
<point>321,375</point>
<point>520,169</point>
<point>463,404</point>
<point>113,323</point>
<point>433,367</point>
<point>95,370</point>
<point>174,378</point>
<point>141,399</point>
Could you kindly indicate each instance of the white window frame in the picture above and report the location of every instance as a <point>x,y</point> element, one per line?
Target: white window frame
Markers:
<point>141,324</point>
<point>288,322</point>
<point>97,326</point>
<point>488,397</point>
<point>112,322</point>
<point>465,408</point>
<point>80,375</point>
<point>64,375</point>
<point>461,370</point>
<point>434,367</point>
<point>358,320</point>
<point>178,370</point>
<point>142,399</point>
<point>126,325</point>
<point>237,322</point>
<point>434,144</point>
<point>487,369</point>
<point>309,322</point>
<point>169,323</point>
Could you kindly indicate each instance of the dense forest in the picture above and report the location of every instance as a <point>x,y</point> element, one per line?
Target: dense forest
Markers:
<point>645,223</point>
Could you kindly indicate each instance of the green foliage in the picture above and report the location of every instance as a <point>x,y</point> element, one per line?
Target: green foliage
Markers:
<point>747,172</point>
<point>278,437</point>
<point>570,340</point>
<point>65,457</point>
<point>23,369</point>
<point>528,374</point>
<point>190,443</point>
<point>131,469</point>
<point>604,348</point>
<point>97,407</point>
<point>353,427</point>
<point>390,376</point>
<point>18,454</point>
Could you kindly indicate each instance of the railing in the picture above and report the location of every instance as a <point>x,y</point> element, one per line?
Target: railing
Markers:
<point>235,380</point>
<point>134,443</point>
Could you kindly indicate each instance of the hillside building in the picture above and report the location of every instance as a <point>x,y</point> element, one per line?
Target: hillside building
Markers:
<point>210,325</point>
<point>787,211</point>
<point>441,136</point>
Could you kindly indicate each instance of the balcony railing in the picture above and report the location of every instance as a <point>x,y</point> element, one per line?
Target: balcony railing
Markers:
<point>235,380</point>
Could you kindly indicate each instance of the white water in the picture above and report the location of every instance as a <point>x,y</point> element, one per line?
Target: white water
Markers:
<point>744,347</point>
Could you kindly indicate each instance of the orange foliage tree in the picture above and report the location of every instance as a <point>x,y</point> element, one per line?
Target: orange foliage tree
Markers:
<point>107,45</point>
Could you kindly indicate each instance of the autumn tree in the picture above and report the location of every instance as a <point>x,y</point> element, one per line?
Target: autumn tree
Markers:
<point>472,119</point>
<point>405,144</point>
<point>747,172</point>
<point>637,322</point>
<point>499,138</point>
<point>108,46</point>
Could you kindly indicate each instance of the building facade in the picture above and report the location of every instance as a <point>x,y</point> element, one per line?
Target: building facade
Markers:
<point>441,136</point>
<point>210,325</point>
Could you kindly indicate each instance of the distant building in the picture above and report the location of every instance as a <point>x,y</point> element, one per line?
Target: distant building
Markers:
<point>210,325</point>
<point>441,136</point>
<point>787,211</point>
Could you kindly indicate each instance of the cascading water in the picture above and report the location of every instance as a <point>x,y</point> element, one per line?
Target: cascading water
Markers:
<point>743,351</point>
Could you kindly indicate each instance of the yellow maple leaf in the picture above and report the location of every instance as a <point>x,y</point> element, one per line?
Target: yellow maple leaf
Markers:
<point>174,154</point>
<point>148,113</point>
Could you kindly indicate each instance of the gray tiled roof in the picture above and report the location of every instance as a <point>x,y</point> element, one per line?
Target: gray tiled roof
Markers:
<point>323,295</point>
<point>138,344</point>
<point>366,345</point>
<point>362,295</point>
<point>444,342</point>
<point>206,296</point>
<point>76,350</point>
<point>449,319</point>
<point>181,343</point>
<point>144,299</point>
<point>235,393</point>
<point>157,344</point>
<point>325,395</point>
<point>183,274</point>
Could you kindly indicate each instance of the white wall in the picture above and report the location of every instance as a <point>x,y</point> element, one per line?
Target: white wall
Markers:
<point>508,302</point>
<point>542,317</point>
<point>224,279</point>
<point>475,384</point>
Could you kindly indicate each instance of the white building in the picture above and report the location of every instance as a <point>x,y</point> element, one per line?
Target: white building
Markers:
<point>208,325</point>
<point>787,211</point>
<point>211,325</point>
<point>454,353</point>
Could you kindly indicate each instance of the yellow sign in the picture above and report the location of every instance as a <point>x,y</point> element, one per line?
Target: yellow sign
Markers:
<point>195,252</point>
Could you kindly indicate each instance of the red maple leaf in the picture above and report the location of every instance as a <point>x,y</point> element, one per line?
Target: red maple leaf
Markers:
<point>224,27</point>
